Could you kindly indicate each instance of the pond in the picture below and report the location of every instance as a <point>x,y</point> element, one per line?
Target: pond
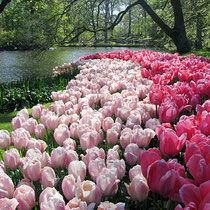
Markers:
<point>15,65</point>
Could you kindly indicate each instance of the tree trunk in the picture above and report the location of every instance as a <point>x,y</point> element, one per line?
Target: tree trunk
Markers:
<point>129,21</point>
<point>178,33</point>
<point>106,20</point>
<point>4,4</point>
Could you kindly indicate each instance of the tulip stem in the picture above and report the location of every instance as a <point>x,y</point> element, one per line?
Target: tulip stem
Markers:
<point>156,110</point>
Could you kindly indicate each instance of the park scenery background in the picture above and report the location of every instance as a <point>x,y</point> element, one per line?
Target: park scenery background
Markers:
<point>104,104</point>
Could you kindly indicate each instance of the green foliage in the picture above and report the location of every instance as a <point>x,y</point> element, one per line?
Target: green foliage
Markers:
<point>29,92</point>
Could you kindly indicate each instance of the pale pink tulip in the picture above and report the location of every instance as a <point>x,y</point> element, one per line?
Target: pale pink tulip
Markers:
<point>61,133</point>
<point>133,120</point>
<point>108,122</point>
<point>89,139</point>
<point>76,203</point>
<point>23,113</point>
<point>32,169</point>
<point>2,167</point>
<point>69,144</point>
<point>48,177</point>
<point>138,188</point>
<point>95,166</point>
<point>45,160</point>
<point>112,136</point>
<point>73,130</point>
<point>51,199</point>
<point>143,137</point>
<point>58,157</point>
<point>119,165</point>
<point>123,113</point>
<point>82,129</point>
<point>69,187</point>
<point>5,140</point>
<point>109,205</point>
<point>8,204</point>
<point>52,122</point>
<point>92,154</point>
<point>20,138</point>
<point>126,137</point>
<point>36,111</point>
<point>17,122</point>
<point>136,170</point>
<point>40,131</point>
<point>12,158</point>
<point>113,154</point>
<point>25,182</point>
<point>59,107</point>
<point>89,192</point>
<point>33,143</point>
<point>34,153</point>
<point>152,123</point>
<point>132,154</point>
<point>107,181</point>
<point>71,156</point>
<point>77,169</point>
<point>6,186</point>
<point>25,196</point>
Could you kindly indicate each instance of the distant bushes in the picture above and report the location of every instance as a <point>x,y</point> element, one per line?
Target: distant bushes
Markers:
<point>29,92</point>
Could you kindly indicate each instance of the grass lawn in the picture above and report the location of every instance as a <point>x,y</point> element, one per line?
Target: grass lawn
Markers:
<point>205,53</point>
<point>6,118</point>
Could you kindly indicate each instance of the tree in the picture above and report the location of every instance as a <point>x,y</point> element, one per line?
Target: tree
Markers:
<point>3,4</point>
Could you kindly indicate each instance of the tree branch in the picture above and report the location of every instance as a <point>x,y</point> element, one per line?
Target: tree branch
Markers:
<point>4,4</point>
<point>155,17</point>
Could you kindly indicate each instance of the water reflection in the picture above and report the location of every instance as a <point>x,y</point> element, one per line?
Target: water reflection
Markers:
<point>15,65</point>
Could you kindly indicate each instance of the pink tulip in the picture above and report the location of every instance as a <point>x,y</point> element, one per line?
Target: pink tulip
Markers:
<point>12,158</point>
<point>33,153</point>
<point>89,192</point>
<point>77,169</point>
<point>112,136</point>
<point>69,187</point>
<point>25,196</point>
<point>89,139</point>
<point>133,120</point>
<point>82,129</point>
<point>23,113</point>
<point>170,143</point>
<point>50,198</point>
<point>95,166</point>
<point>108,205</point>
<point>107,181</point>
<point>138,188</point>
<point>40,131</point>
<point>5,140</point>
<point>2,167</point>
<point>32,169</point>
<point>17,122</point>
<point>58,157</point>
<point>8,204</point>
<point>61,133</point>
<point>108,122</point>
<point>76,203</point>
<point>168,112</point>
<point>123,113</point>
<point>6,186</point>
<point>36,111</point>
<point>73,130</point>
<point>119,165</point>
<point>132,154</point>
<point>147,157</point>
<point>48,177</point>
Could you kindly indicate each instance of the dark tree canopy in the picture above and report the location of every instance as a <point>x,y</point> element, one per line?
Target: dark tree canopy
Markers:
<point>3,4</point>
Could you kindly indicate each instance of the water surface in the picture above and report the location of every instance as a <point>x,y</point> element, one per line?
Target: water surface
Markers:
<point>15,65</point>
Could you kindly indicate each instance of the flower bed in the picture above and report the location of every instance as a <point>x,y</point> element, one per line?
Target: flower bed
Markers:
<point>131,131</point>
